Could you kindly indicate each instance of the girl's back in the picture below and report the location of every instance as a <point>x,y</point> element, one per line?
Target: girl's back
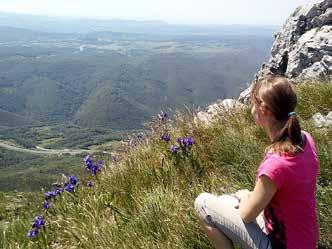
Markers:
<point>291,219</point>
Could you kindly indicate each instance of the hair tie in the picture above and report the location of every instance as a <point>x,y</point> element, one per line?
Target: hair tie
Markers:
<point>291,114</point>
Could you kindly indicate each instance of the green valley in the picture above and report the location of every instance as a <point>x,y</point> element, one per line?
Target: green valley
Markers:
<point>91,90</point>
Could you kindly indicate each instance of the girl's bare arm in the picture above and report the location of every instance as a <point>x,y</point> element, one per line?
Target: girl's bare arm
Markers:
<point>258,199</point>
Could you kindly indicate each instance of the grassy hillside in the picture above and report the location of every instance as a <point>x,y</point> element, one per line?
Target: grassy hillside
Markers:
<point>145,200</point>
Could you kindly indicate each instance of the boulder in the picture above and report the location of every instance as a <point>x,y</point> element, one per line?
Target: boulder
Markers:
<point>218,108</point>
<point>321,121</point>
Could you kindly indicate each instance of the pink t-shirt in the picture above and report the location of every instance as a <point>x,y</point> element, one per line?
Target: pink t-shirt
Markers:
<point>290,217</point>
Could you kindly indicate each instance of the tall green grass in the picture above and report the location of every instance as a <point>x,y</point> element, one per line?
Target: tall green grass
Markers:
<point>146,199</point>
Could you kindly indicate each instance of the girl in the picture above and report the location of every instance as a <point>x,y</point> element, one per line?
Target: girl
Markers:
<point>280,212</point>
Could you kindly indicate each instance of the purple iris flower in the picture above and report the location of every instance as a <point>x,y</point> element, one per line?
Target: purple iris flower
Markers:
<point>189,142</point>
<point>58,191</point>
<point>87,158</point>
<point>186,142</point>
<point>175,149</point>
<point>46,205</point>
<point>70,188</point>
<point>88,161</point>
<point>72,180</point>
<point>94,169</point>
<point>38,222</point>
<point>89,164</point>
<point>90,184</point>
<point>166,137</point>
<point>163,116</point>
<point>50,195</point>
<point>32,233</point>
<point>100,164</point>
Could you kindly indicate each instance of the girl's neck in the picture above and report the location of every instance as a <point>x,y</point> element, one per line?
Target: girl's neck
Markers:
<point>273,128</point>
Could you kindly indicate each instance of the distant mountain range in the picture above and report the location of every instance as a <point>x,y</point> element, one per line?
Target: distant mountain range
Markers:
<point>88,25</point>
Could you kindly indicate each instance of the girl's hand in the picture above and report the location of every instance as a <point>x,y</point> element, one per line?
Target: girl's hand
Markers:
<point>241,195</point>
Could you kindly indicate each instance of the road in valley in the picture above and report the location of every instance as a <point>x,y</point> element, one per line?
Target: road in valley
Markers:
<point>40,150</point>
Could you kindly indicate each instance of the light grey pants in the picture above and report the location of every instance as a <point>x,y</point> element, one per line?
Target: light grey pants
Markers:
<point>220,212</point>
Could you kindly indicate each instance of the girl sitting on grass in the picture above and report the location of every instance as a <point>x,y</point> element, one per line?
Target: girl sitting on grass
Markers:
<point>280,212</point>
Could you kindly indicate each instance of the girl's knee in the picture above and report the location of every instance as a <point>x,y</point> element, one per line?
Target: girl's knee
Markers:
<point>223,200</point>
<point>201,207</point>
<point>200,201</point>
<point>210,207</point>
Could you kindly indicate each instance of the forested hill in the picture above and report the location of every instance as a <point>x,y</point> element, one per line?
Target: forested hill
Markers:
<point>119,80</point>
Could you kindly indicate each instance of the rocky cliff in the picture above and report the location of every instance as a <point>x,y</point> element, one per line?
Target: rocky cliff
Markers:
<point>303,48</point>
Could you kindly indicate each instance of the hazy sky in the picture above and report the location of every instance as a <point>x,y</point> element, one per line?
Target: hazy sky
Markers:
<point>173,11</point>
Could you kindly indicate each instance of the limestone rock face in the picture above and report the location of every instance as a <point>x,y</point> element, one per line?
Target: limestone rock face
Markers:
<point>321,121</point>
<point>303,48</point>
<point>304,43</point>
<point>218,108</point>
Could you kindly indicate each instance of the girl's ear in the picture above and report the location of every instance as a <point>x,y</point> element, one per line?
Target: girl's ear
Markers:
<point>265,109</point>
